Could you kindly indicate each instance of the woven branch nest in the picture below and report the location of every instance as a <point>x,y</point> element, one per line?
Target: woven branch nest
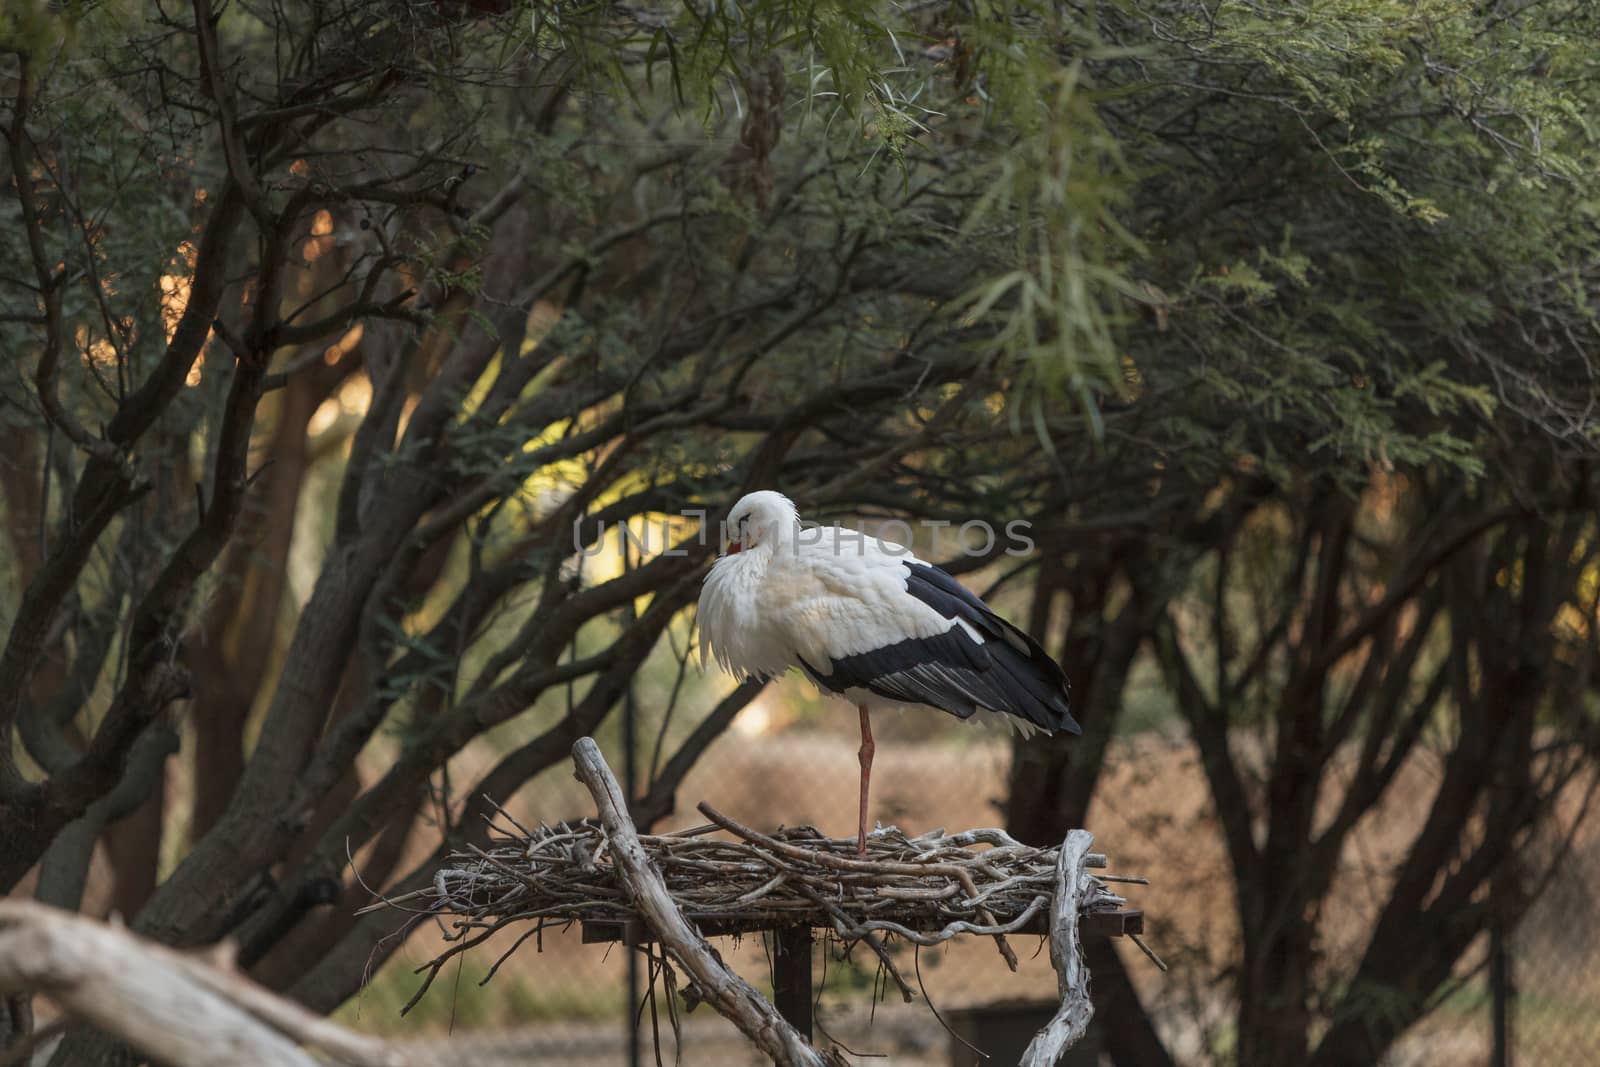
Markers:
<point>926,889</point>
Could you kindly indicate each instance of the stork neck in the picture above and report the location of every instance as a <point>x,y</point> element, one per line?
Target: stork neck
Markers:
<point>761,555</point>
<point>778,534</point>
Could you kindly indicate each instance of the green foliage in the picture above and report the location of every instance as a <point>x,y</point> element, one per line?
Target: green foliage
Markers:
<point>1097,266</point>
<point>1323,191</point>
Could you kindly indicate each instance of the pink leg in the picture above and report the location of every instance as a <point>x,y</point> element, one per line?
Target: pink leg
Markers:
<point>865,755</point>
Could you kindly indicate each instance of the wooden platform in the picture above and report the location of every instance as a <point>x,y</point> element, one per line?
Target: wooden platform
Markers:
<point>633,931</point>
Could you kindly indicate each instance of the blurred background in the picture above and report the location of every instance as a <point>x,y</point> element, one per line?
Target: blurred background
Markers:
<point>381,371</point>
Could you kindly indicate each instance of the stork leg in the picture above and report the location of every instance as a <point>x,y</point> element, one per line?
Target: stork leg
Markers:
<point>865,756</point>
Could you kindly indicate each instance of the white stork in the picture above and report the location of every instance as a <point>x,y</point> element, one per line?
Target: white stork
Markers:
<point>866,619</point>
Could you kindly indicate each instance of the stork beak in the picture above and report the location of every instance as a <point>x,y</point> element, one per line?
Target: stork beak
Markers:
<point>734,546</point>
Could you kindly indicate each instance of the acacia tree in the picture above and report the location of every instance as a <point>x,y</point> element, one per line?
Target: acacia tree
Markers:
<point>1355,451</point>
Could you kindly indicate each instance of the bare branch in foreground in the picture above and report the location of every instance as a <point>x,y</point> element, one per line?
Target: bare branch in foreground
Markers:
<point>731,995</point>
<point>182,1009</point>
<point>1071,1020</point>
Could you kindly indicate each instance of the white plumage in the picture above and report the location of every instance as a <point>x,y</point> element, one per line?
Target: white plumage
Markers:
<point>867,620</point>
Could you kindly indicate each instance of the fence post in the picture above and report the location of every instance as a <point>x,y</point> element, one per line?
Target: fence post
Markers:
<point>791,977</point>
<point>1502,987</point>
<point>629,734</point>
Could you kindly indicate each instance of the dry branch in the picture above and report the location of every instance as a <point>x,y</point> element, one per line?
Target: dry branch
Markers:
<point>177,1008</point>
<point>1066,956</point>
<point>731,995</point>
<point>193,1009</point>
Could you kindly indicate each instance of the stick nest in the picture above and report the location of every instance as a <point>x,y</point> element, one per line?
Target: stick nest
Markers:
<point>926,889</point>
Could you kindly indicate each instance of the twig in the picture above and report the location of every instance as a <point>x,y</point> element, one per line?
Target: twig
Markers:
<point>829,860</point>
<point>1149,952</point>
<point>916,964</point>
<point>842,926</point>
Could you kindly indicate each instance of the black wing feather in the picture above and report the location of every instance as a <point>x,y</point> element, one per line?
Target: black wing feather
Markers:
<point>1008,671</point>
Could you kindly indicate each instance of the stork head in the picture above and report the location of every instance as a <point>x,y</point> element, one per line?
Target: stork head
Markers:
<point>761,518</point>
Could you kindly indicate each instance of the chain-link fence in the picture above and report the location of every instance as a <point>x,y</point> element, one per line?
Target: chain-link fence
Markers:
<point>1551,987</point>
<point>1530,990</point>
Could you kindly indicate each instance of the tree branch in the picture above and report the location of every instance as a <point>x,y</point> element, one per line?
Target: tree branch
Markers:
<point>186,1009</point>
<point>718,985</point>
<point>1210,732</point>
<point>49,279</point>
<point>659,800</point>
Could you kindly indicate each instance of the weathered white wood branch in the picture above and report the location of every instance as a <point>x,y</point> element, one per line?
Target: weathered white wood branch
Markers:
<point>179,1008</point>
<point>717,983</point>
<point>193,1009</point>
<point>1073,884</point>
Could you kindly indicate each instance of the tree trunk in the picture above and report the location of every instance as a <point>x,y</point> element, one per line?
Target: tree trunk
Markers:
<point>1274,1015</point>
<point>1053,779</point>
